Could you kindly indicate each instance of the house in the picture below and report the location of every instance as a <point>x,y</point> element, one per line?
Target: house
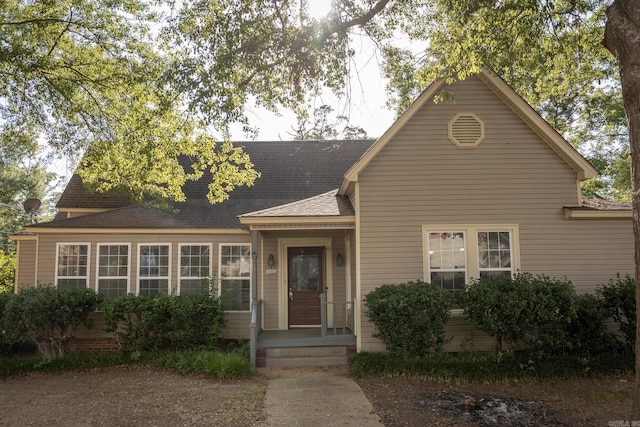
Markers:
<point>476,186</point>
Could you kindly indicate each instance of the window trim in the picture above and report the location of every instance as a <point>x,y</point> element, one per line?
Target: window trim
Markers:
<point>250,277</point>
<point>57,260</point>
<point>140,277</point>
<point>98,277</point>
<point>179,274</point>
<point>471,241</point>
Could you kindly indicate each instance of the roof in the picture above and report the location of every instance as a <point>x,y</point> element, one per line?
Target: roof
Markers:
<point>327,204</point>
<point>583,168</point>
<point>291,171</point>
<point>600,204</point>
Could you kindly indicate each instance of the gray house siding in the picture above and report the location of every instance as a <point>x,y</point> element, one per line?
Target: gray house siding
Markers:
<point>512,178</point>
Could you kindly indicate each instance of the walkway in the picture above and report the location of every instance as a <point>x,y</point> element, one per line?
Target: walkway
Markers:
<point>315,397</point>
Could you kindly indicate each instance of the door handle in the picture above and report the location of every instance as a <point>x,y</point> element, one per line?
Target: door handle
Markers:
<point>290,294</point>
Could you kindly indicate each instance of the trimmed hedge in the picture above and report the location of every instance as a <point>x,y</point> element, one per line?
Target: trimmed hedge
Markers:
<point>48,316</point>
<point>409,317</point>
<point>146,323</point>
<point>533,309</point>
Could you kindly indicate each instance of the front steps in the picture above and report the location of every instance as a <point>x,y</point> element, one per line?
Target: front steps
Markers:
<point>294,357</point>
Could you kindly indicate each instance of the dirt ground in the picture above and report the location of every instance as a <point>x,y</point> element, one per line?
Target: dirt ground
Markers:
<point>401,401</point>
<point>148,397</point>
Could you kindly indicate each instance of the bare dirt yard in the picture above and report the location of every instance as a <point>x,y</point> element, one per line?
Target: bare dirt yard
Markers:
<point>402,401</point>
<point>149,397</point>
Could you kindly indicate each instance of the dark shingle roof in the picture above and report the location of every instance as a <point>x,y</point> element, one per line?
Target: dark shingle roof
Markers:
<point>327,204</point>
<point>291,171</point>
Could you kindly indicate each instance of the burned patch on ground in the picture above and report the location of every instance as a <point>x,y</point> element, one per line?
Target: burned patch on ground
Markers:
<point>491,410</point>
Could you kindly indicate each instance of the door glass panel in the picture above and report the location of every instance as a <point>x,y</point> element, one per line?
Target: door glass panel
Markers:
<point>305,274</point>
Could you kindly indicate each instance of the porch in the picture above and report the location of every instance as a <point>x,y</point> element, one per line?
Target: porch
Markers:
<point>303,346</point>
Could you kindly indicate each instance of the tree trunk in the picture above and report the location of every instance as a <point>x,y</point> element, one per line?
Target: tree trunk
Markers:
<point>622,38</point>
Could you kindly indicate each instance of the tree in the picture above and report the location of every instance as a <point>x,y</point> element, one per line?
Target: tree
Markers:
<point>87,77</point>
<point>320,127</point>
<point>622,38</point>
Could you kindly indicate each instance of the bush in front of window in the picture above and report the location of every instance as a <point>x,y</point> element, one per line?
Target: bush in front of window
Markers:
<point>48,316</point>
<point>410,317</point>
<point>534,310</point>
<point>147,323</point>
<point>620,300</point>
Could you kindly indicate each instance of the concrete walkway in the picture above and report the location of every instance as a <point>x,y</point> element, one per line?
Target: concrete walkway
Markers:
<point>315,397</point>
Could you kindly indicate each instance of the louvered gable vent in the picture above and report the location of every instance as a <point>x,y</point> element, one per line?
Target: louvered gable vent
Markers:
<point>466,130</point>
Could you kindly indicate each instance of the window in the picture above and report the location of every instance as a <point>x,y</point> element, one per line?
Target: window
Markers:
<point>455,255</point>
<point>494,254</point>
<point>113,269</point>
<point>195,269</point>
<point>447,260</point>
<point>154,269</point>
<point>235,276</point>
<point>73,267</point>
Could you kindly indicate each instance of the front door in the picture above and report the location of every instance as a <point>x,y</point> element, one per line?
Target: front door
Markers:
<point>306,283</point>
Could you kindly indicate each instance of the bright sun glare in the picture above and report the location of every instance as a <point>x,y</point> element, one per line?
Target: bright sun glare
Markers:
<point>318,9</point>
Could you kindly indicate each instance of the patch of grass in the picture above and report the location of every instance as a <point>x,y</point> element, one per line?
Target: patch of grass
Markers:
<point>224,365</point>
<point>17,365</point>
<point>489,367</point>
<point>231,365</point>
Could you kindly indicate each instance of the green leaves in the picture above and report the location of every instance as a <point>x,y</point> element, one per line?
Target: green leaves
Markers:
<point>409,317</point>
<point>48,316</point>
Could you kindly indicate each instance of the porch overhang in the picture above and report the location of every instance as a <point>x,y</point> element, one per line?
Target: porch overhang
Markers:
<point>299,223</point>
<point>326,211</point>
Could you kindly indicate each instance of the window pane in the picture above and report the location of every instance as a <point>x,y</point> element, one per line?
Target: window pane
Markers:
<point>153,287</point>
<point>453,281</point>
<point>77,283</point>
<point>112,288</point>
<point>72,265</point>
<point>495,256</point>
<point>235,295</point>
<point>193,286</point>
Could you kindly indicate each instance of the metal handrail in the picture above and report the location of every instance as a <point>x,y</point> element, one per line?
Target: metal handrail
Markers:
<point>346,324</point>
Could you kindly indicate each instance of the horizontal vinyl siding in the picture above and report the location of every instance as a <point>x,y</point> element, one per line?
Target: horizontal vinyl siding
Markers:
<point>512,177</point>
<point>269,286</point>
<point>26,263</point>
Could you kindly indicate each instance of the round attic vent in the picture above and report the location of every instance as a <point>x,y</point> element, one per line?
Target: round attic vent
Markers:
<point>466,130</point>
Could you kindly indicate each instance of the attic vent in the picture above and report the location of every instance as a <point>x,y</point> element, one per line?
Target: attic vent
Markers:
<point>466,130</point>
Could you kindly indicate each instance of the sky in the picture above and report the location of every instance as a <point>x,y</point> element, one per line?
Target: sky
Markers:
<point>365,104</point>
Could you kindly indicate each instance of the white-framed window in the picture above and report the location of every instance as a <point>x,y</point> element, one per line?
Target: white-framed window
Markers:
<point>195,268</point>
<point>154,268</point>
<point>454,255</point>
<point>72,264</point>
<point>447,259</point>
<point>495,254</point>
<point>113,261</point>
<point>235,276</point>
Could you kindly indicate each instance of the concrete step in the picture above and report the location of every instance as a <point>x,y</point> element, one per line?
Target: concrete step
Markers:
<point>291,357</point>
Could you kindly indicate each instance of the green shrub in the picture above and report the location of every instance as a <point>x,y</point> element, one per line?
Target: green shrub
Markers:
<point>146,323</point>
<point>9,335</point>
<point>532,309</point>
<point>7,271</point>
<point>48,316</point>
<point>489,367</point>
<point>620,300</point>
<point>588,333</point>
<point>409,317</point>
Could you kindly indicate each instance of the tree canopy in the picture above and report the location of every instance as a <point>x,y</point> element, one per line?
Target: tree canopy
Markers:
<point>89,78</point>
<point>131,84</point>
